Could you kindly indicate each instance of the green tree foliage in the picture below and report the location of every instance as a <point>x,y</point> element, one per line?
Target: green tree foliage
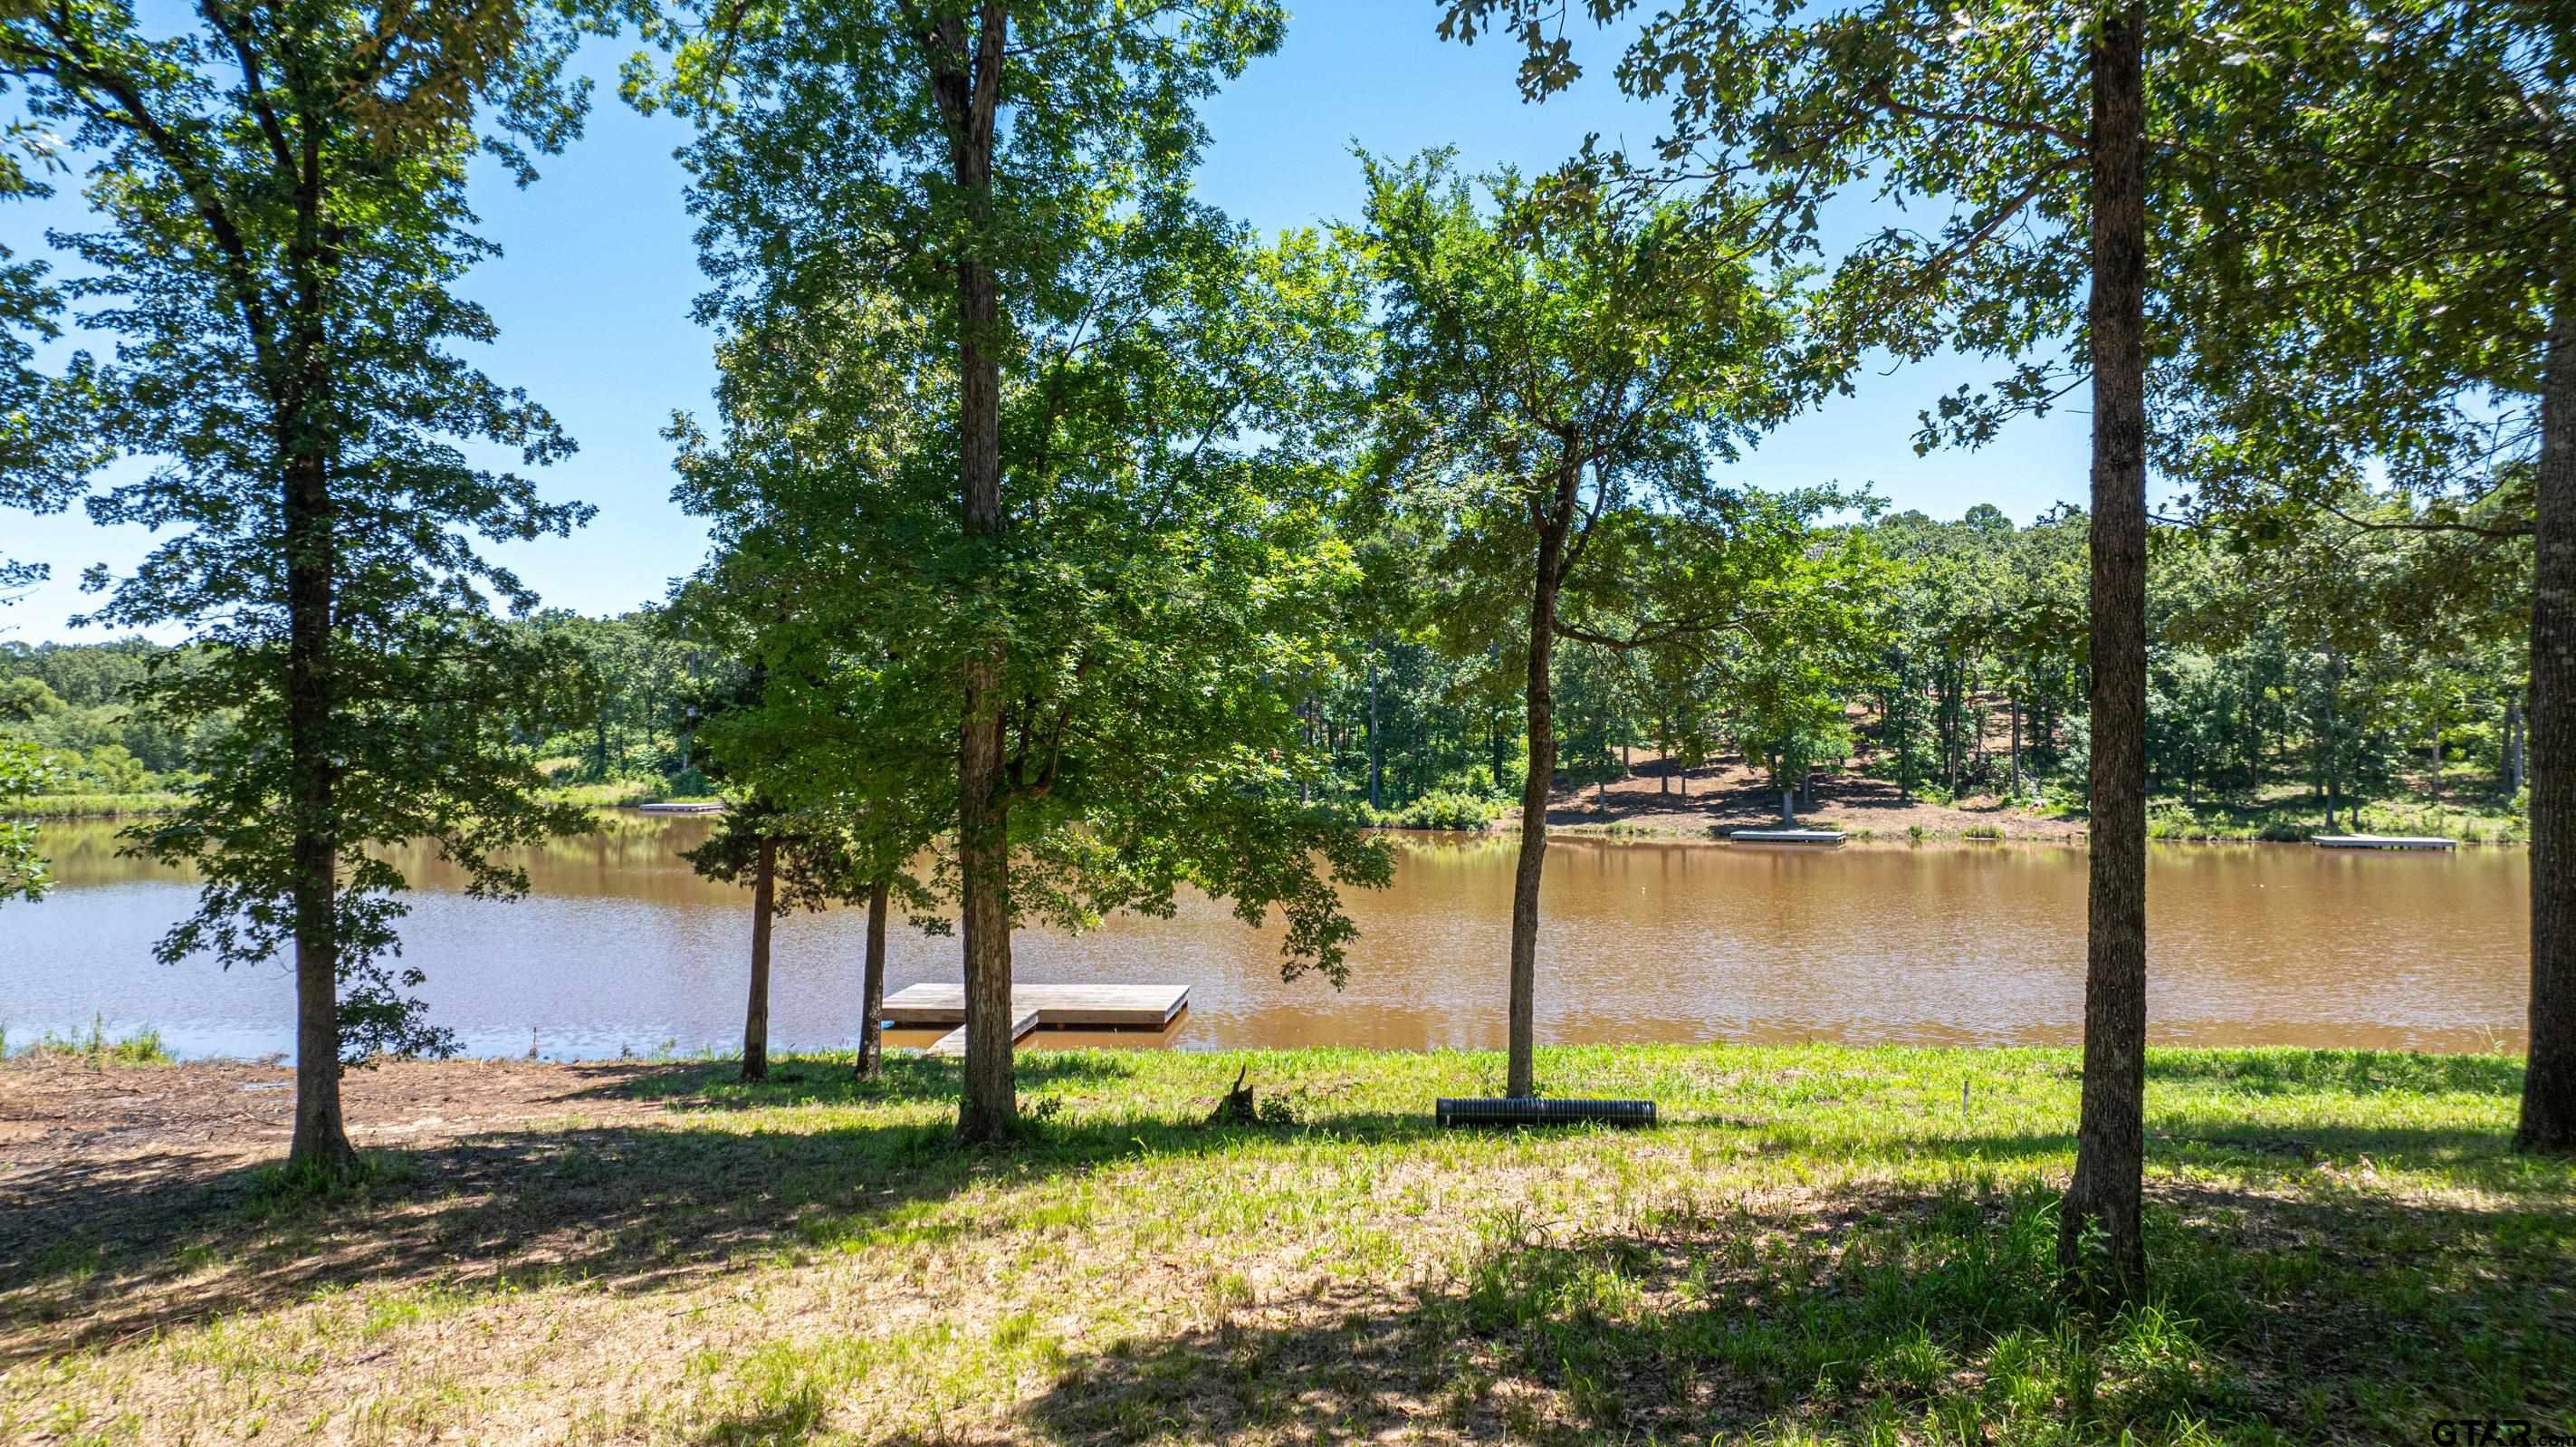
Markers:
<point>278,220</point>
<point>2236,708</point>
<point>832,808</point>
<point>1102,572</point>
<point>1562,368</point>
<point>1983,618</point>
<point>2399,303</point>
<point>77,701</point>
<point>648,680</point>
<point>2025,126</point>
<point>2361,635</point>
<point>45,457</point>
<point>24,770</point>
<point>46,450</point>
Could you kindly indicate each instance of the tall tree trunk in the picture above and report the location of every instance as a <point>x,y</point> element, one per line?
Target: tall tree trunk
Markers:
<point>321,1141</point>
<point>1377,760</point>
<point>1946,710</point>
<point>1522,1072</point>
<point>1306,737</point>
<point>2512,746</point>
<point>871,1062</point>
<point>1976,731</point>
<point>990,1108</point>
<point>2549,1078</point>
<point>2101,1244</point>
<point>2016,748</point>
<point>2333,742</point>
<point>969,95</point>
<point>755,1012</point>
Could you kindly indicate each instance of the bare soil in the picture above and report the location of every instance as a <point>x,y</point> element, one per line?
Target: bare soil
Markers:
<point>1731,794</point>
<point>60,1109</point>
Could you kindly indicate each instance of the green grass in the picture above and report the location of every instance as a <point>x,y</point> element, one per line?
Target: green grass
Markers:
<point>2288,816</point>
<point>1819,1244</point>
<point>143,1047</point>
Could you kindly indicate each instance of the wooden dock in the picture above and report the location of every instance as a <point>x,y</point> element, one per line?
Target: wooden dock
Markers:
<point>679,808</point>
<point>1149,1007</point>
<point>953,1044</point>
<point>2382,841</point>
<point>1786,836</point>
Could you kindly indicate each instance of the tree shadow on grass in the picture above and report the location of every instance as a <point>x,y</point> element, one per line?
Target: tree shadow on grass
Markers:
<point>99,1251</point>
<point>827,1080</point>
<point>102,1251</point>
<point>1879,1313</point>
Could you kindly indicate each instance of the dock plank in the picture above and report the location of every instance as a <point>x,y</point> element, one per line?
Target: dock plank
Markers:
<point>1787,836</point>
<point>1140,1005</point>
<point>953,1044</point>
<point>2382,841</point>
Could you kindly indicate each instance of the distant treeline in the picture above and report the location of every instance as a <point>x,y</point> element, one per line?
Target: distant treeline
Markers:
<point>2390,664</point>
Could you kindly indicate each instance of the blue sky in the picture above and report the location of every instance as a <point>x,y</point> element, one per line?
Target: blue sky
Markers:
<point>592,294</point>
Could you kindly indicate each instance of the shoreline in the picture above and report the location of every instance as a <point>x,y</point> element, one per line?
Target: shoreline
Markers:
<point>2075,836</point>
<point>1615,832</point>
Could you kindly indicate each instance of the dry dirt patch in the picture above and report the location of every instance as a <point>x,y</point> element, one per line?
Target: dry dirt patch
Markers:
<point>56,1110</point>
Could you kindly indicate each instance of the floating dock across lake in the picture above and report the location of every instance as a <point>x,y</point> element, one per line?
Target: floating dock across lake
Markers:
<point>679,808</point>
<point>2382,841</point>
<point>1149,1007</point>
<point>1786,836</point>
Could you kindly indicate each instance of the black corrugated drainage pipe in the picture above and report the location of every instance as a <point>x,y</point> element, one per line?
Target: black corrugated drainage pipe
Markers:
<point>1536,1110</point>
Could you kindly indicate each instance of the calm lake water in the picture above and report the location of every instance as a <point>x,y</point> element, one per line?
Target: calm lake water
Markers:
<point>621,947</point>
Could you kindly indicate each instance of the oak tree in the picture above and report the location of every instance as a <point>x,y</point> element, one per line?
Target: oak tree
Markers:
<point>1562,369</point>
<point>278,224</point>
<point>1106,563</point>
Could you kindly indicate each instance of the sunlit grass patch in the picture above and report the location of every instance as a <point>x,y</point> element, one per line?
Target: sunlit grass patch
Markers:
<point>1820,1243</point>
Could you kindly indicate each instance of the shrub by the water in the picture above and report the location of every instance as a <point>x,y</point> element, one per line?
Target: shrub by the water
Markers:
<point>143,1047</point>
<point>95,806</point>
<point>1441,809</point>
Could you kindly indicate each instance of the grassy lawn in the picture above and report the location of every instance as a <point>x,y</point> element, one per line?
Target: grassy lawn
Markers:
<point>1819,1244</point>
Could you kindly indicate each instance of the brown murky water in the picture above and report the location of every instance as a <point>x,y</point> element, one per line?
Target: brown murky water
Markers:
<point>621,947</point>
